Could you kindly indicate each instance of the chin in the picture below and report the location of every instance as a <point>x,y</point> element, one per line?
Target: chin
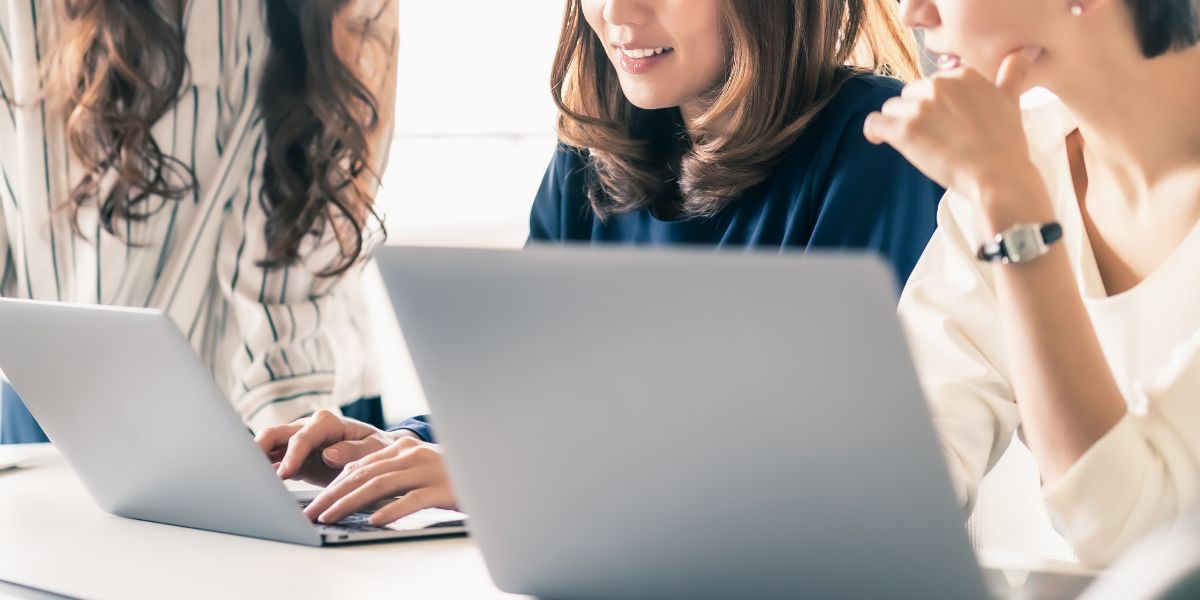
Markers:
<point>651,105</point>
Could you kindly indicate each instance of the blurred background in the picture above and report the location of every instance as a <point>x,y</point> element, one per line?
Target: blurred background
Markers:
<point>490,112</point>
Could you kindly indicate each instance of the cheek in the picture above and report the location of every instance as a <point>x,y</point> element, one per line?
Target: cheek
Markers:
<point>984,31</point>
<point>702,42</point>
<point>593,13</point>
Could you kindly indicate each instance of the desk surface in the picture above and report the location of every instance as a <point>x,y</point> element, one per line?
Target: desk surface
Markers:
<point>53,538</point>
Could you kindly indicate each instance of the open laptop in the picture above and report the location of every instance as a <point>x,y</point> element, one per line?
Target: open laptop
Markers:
<point>683,424</point>
<point>142,423</point>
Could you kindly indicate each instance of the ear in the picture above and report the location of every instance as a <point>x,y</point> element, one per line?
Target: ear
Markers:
<point>1083,7</point>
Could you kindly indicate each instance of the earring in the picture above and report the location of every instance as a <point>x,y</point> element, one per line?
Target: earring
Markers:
<point>1077,8</point>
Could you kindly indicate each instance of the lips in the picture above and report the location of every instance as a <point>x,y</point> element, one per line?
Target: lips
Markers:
<point>948,61</point>
<point>942,59</point>
<point>637,61</point>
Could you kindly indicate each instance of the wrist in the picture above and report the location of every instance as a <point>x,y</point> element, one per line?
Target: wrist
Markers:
<point>1014,202</point>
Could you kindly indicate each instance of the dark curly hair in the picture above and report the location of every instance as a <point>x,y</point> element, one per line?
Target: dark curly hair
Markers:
<point>120,66</point>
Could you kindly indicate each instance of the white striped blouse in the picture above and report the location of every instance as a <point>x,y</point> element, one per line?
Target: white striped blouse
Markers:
<point>279,343</point>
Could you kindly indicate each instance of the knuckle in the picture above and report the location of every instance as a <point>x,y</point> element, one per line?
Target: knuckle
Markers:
<point>417,497</point>
<point>357,479</point>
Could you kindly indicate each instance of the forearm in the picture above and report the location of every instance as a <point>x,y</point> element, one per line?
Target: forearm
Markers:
<point>1065,390</point>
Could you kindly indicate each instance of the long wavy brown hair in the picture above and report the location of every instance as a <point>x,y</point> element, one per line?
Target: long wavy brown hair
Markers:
<point>121,66</point>
<point>785,60</point>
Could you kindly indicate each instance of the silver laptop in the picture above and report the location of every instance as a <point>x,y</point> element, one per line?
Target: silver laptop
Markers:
<point>142,423</point>
<point>653,424</point>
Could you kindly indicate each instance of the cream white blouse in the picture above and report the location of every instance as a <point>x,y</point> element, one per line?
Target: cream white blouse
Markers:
<point>279,343</point>
<point>1146,470</point>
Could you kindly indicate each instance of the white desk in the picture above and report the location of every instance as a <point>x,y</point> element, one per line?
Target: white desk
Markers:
<point>53,538</point>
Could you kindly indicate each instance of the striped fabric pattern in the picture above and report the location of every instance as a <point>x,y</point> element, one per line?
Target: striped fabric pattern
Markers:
<point>280,343</point>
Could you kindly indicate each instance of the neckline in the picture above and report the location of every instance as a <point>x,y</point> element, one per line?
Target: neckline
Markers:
<point>1087,268</point>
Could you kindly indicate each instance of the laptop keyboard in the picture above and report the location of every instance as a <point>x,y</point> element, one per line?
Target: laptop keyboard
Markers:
<point>356,523</point>
<point>359,522</point>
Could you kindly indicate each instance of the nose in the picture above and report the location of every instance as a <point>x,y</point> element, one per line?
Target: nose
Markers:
<point>626,12</point>
<point>919,14</point>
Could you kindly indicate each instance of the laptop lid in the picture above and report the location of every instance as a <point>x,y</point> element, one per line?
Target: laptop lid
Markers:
<point>140,420</point>
<point>649,424</point>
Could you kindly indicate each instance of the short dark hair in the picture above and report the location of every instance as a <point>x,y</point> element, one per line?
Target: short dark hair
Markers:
<point>1165,25</point>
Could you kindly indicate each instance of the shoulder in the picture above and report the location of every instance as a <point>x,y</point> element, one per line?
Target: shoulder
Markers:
<point>858,97</point>
<point>865,93</point>
<point>568,174</point>
<point>836,145</point>
<point>840,122</point>
<point>1047,121</point>
<point>569,160</point>
<point>561,208</point>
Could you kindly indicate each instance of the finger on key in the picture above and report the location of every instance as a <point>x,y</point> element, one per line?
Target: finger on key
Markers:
<point>386,485</point>
<point>353,477</point>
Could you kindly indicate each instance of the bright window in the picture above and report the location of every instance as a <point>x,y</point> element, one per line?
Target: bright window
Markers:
<point>474,133</point>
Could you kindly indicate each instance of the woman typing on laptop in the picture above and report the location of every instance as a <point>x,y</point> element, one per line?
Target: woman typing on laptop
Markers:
<point>732,124</point>
<point>210,158</point>
<point>1059,296</point>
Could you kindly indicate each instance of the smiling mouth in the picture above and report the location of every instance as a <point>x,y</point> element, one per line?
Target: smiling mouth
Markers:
<point>637,61</point>
<point>639,53</point>
<point>948,61</point>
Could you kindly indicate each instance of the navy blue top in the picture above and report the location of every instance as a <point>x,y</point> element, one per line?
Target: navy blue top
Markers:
<point>833,189</point>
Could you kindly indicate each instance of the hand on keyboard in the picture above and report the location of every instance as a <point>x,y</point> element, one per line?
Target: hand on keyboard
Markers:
<point>408,467</point>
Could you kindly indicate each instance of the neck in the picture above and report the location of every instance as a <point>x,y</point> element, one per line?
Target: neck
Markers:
<point>1137,116</point>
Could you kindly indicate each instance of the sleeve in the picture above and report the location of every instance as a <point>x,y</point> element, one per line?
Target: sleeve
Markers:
<point>561,203</point>
<point>288,361</point>
<point>875,200</point>
<point>949,311</point>
<point>421,425</point>
<point>1143,474</point>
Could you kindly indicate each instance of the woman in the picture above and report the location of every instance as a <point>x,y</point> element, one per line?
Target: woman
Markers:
<point>212,159</point>
<point>733,124</point>
<point>1081,328</point>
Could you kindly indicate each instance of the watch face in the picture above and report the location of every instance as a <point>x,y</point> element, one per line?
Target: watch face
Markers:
<point>1022,245</point>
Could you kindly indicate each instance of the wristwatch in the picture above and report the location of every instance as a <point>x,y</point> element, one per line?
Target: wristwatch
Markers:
<point>1021,243</point>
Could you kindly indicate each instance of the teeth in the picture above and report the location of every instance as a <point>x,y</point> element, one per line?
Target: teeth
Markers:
<point>643,52</point>
<point>949,61</point>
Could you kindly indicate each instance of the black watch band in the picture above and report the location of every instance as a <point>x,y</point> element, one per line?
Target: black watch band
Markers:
<point>1017,245</point>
